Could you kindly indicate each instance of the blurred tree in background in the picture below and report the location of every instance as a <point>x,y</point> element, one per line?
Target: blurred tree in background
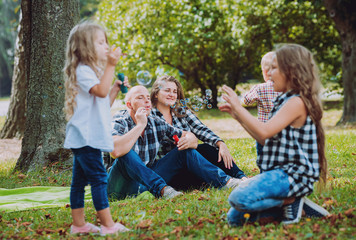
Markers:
<point>210,43</point>
<point>16,115</point>
<point>9,15</point>
<point>9,21</point>
<point>88,8</point>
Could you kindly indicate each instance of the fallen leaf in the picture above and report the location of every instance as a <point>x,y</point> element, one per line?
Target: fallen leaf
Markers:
<point>21,176</point>
<point>178,211</point>
<point>203,197</point>
<point>145,224</point>
<point>316,228</point>
<point>177,229</point>
<point>348,213</point>
<point>169,220</point>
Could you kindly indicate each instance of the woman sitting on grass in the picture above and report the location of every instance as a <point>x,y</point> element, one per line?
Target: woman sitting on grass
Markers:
<point>166,92</point>
<point>293,155</point>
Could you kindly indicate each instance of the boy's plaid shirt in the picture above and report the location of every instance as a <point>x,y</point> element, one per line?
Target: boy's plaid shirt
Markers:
<point>264,94</point>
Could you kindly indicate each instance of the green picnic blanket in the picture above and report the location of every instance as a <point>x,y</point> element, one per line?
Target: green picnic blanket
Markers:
<point>18,199</point>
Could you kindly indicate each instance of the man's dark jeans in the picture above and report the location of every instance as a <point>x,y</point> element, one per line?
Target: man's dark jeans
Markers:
<point>129,175</point>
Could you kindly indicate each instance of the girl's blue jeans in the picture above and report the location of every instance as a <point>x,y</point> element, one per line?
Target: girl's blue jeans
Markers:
<point>88,168</point>
<point>261,195</point>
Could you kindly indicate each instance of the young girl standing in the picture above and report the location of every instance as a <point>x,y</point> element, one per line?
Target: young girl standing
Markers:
<point>293,156</point>
<point>89,71</point>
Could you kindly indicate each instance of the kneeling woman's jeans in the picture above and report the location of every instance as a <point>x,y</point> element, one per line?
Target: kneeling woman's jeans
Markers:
<point>88,168</point>
<point>259,194</point>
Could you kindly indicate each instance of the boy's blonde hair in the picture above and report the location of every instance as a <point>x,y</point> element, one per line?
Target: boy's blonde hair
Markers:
<point>80,49</point>
<point>266,61</point>
<point>298,65</point>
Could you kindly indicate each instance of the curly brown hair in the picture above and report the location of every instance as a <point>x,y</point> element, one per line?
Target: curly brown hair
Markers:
<point>156,87</point>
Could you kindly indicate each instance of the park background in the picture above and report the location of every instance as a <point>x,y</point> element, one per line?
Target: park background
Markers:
<point>203,43</point>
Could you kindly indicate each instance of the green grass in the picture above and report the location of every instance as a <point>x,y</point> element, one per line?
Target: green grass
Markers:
<point>2,121</point>
<point>4,98</point>
<point>196,214</point>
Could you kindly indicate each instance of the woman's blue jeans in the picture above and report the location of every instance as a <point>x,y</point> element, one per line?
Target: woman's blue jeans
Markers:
<point>186,180</point>
<point>129,175</point>
<point>263,194</point>
<point>88,168</point>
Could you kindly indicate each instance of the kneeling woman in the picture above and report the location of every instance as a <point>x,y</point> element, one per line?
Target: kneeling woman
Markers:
<point>166,92</point>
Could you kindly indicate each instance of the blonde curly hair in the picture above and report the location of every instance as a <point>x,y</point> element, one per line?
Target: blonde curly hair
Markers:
<point>80,49</point>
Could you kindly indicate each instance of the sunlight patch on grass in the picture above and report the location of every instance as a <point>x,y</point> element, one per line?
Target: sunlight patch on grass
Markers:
<point>7,167</point>
<point>2,121</point>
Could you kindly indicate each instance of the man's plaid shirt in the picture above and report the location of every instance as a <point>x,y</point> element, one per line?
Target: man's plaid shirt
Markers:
<point>264,94</point>
<point>189,123</point>
<point>146,146</point>
<point>295,151</point>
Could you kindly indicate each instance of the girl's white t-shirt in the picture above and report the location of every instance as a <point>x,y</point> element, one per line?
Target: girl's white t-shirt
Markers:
<point>90,124</point>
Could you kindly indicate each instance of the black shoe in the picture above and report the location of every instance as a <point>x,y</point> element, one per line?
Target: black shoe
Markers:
<point>293,212</point>
<point>312,209</point>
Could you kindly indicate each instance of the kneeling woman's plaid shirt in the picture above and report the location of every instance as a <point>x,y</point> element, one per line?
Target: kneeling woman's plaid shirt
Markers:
<point>146,146</point>
<point>294,150</point>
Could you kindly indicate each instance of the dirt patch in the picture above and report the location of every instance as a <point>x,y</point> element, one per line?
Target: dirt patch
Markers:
<point>227,128</point>
<point>10,149</point>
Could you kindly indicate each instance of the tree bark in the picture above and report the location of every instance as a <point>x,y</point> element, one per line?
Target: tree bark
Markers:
<point>343,14</point>
<point>51,22</point>
<point>14,126</point>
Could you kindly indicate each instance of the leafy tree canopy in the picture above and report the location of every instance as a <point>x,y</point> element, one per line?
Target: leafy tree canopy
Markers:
<point>215,42</point>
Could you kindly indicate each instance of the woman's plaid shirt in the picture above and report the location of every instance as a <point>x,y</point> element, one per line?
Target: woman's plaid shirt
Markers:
<point>294,150</point>
<point>189,123</point>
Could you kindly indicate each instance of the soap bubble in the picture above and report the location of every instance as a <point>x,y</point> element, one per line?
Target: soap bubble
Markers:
<point>209,106</point>
<point>182,101</point>
<point>143,77</point>
<point>195,108</point>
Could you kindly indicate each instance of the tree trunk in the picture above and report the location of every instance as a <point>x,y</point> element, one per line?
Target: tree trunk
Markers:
<point>51,22</point>
<point>343,14</point>
<point>15,121</point>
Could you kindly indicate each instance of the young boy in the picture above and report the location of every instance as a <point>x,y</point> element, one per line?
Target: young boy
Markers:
<point>263,93</point>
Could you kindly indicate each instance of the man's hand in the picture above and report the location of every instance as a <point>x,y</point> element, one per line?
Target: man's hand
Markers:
<point>141,116</point>
<point>189,140</point>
